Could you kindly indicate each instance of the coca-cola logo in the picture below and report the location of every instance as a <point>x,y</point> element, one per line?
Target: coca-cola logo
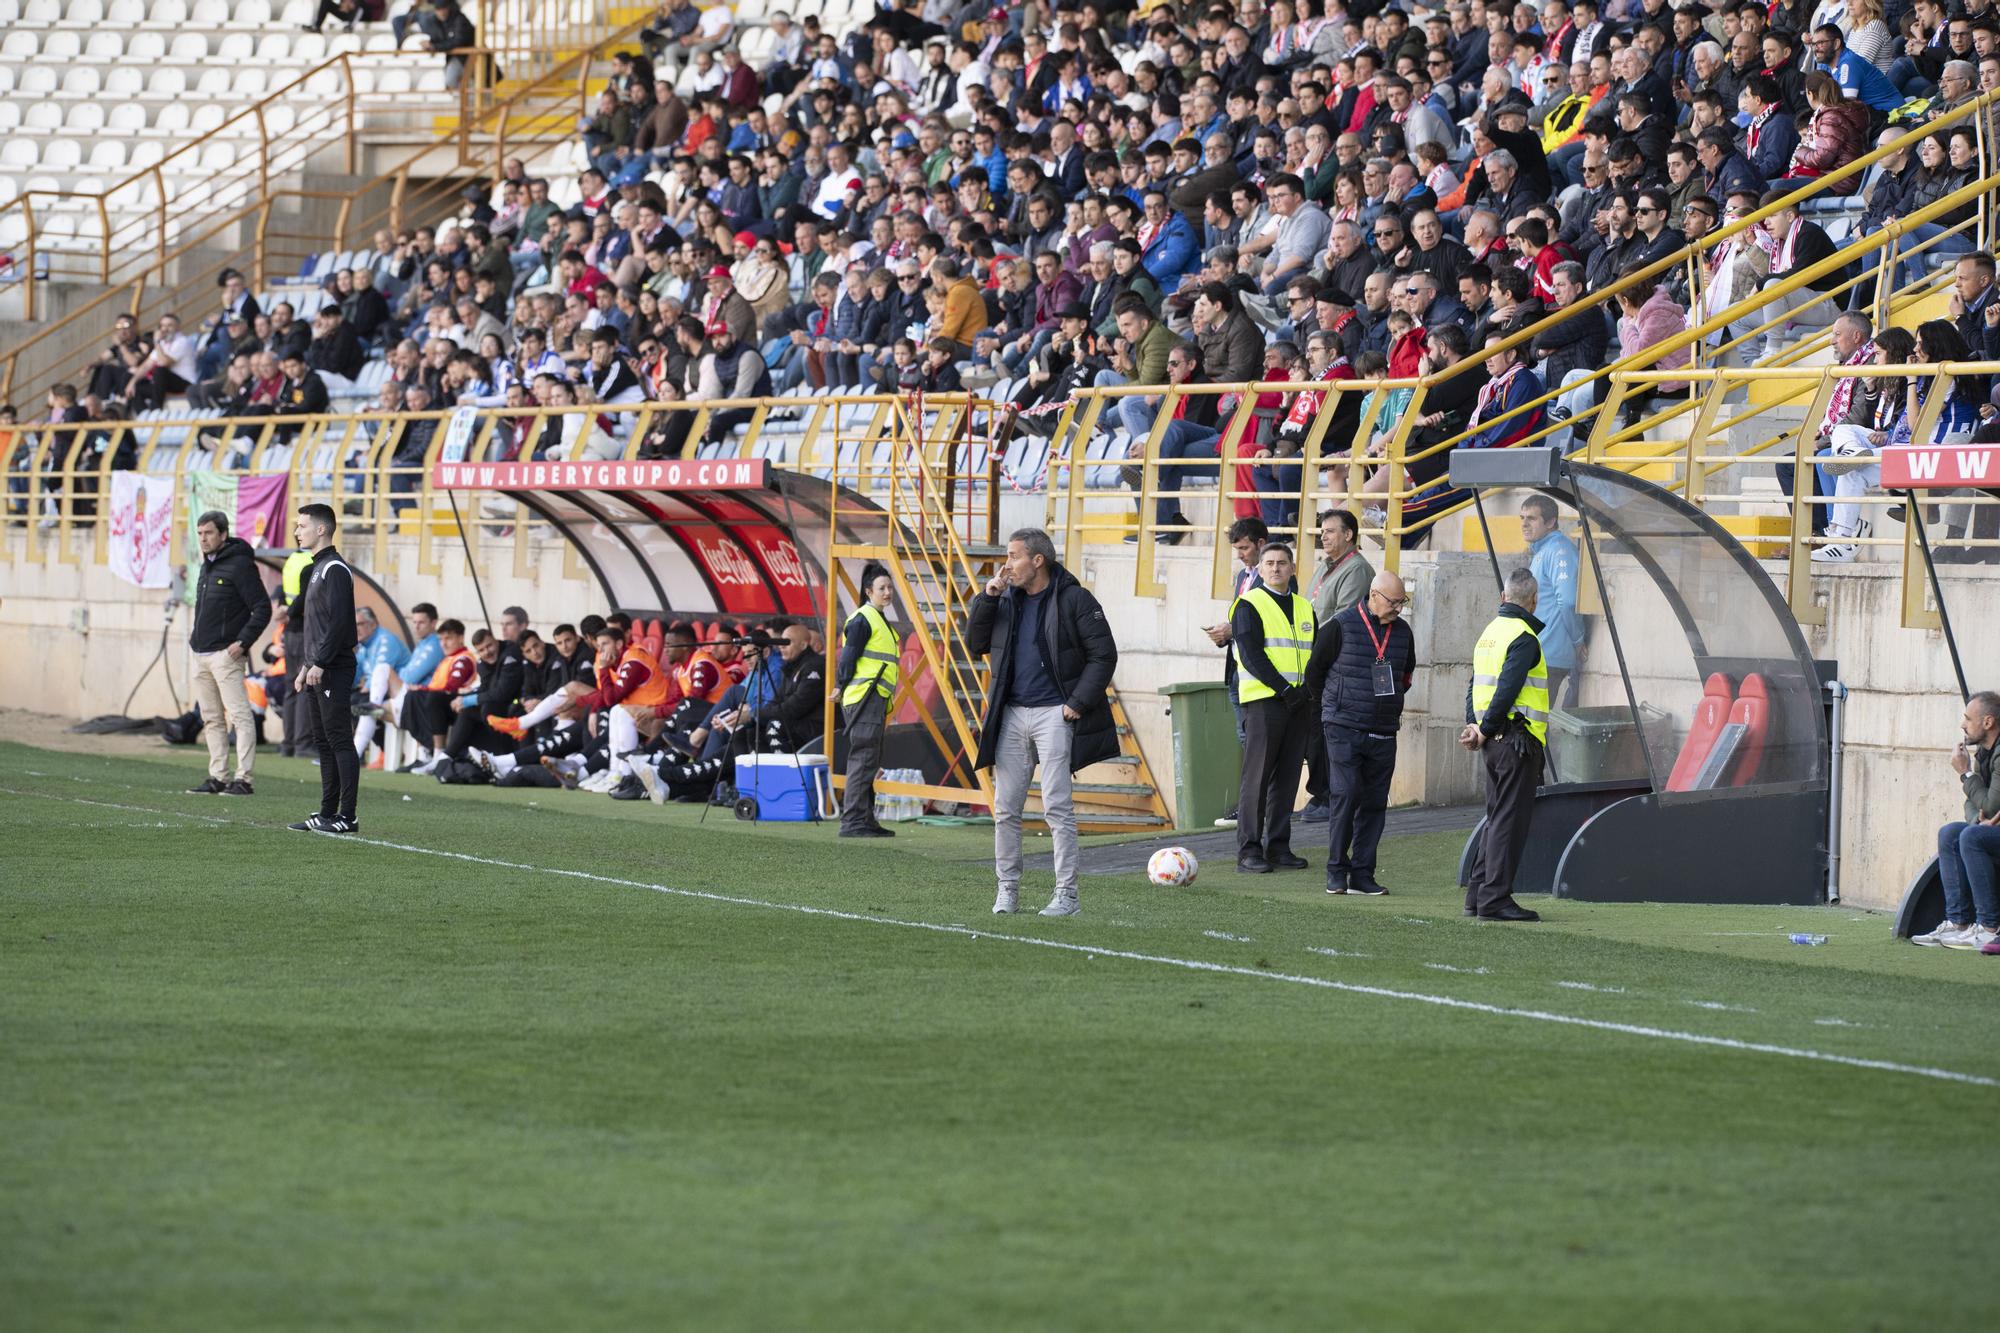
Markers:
<point>728,562</point>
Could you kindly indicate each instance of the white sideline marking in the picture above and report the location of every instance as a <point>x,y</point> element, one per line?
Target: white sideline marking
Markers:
<point>1225,935</point>
<point>1093,952</point>
<point>1720,1007</point>
<point>1585,985</point>
<point>1447,967</point>
<point>1335,953</point>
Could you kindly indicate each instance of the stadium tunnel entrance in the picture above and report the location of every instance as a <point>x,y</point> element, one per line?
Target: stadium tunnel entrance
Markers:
<point>1689,752</point>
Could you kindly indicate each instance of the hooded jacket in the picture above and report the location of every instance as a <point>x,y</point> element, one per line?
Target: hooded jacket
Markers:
<point>1082,653</point>
<point>230,604</point>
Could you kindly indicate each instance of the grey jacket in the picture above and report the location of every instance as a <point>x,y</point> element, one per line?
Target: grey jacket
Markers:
<point>1981,785</point>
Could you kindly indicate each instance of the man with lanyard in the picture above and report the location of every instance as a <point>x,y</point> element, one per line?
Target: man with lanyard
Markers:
<point>870,658</point>
<point>1340,580</point>
<point>1552,560</point>
<point>1507,722</point>
<point>1363,661</point>
<point>1272,630</point>
<point>1246,537</point>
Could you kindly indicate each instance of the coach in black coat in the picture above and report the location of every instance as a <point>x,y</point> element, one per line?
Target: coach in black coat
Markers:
<point>1080,648</point>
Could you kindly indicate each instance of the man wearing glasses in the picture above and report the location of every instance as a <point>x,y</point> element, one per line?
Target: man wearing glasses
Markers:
<point>1654,239</point>
<point>1302,234</point>
<point>1363,660</point>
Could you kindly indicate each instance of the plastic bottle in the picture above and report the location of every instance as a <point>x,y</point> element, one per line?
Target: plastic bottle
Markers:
<point>1808,939</point>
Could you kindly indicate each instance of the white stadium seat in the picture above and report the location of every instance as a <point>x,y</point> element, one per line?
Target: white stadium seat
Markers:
<point>236,46</point>
<point>166,81</point>
<point>126,118</point>
<point>63,46</point>
<point>61,155</point>
<point>83,14</point>
<point>10,11</point>
<point>38,80</point>
<point>209,13</point>
<point>297,12</point>
<point>274,47</point>
<point>213,82</point>
<point>125,81</point>
<point>107,155</point>
<point>251,14</point>
<point>81,81</point>
<point>104,47</point>
<point>126,13</point>
<point>250,83</point>
<point>146,46</point>
<point>19,154</point>
<point>6,78</point>
<point>41,13</point>
<point>87,118</point>
<point>20,45</point>
<point>10,120</point>
<point>166,14</point>
<point>172,118</point>
<point>191,47</point>
<point>42,118</point>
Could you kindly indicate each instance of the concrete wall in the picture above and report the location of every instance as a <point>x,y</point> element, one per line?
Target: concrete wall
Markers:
<point>73,640</point>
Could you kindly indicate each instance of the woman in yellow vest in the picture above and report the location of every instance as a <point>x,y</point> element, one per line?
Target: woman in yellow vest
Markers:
<point>1272,628</point>
<point>867,673</point>
<point>1507,721</point>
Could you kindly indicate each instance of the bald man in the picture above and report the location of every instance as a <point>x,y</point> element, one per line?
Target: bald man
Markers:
<point>1362,662</point>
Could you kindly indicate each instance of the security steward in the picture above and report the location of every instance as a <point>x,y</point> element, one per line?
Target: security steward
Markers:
<point>1507,721</point>
<point>1272,628</point>
<point>866,675</point>
<point>292,582</point>
<point>1362,663</point>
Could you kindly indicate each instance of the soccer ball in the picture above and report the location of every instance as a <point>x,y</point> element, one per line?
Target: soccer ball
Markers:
<point>1172,867</point>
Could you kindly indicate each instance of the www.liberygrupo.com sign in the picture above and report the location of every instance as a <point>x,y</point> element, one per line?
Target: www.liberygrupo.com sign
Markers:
<point>666,474</point>
<point>1921,467</point>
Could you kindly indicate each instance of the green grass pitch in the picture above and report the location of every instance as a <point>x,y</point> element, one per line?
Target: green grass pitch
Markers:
<point>251,1079</point>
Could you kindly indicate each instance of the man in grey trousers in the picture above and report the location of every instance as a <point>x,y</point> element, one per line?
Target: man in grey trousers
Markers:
<point>1051,655</point>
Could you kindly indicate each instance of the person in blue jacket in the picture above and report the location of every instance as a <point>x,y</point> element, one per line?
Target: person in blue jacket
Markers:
<point>1858,79</point>
<point>1553,562</point>
<point>378,655</point>
<point>1171,252</point>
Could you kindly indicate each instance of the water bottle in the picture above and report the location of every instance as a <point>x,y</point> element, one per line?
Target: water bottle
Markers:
<point>1808,939</point>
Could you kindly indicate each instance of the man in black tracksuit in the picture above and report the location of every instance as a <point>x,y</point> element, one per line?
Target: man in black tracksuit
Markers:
<point>325,674</point>
<point>231,609</point>
<point>501,672</point>
<point>1360,672</point>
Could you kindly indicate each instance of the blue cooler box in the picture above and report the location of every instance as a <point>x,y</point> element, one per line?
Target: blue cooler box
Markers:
<point>786,787</point>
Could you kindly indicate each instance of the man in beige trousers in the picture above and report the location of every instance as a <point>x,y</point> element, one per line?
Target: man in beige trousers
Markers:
<point>231,609</point>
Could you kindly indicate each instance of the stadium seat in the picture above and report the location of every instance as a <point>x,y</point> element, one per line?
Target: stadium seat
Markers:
<point>42,117</point>
<point>81,81</point>
<point>104,47</point>
<point>62,46</point>
<point>20,45</point>
<point>1710,716</point>
<point>1753,711</point>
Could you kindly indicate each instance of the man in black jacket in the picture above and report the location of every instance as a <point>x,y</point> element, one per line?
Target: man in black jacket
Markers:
<point>324,675</point>
<point>1800,245</point>
<point>231,609</point>
<point>501,672</point>
<point>1363,660</point>
<point>1050,656</point>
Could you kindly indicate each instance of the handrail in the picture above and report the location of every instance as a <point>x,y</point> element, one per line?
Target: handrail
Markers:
<point>439,194</point>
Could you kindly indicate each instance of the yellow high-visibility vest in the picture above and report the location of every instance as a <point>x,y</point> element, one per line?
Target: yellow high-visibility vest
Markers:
<point>296,565</point>
<point>881,660</point>
<point>1288,640</point>
<point>1531,705</point>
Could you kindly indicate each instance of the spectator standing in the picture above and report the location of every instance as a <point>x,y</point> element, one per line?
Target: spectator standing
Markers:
<point>869,665</point>
<point>1340,580</point>
<point>1552,559</point>
<point>231,610</point>
<point>325,675</point>
<point>1507,723</point>
<point>1051,657</point>
<point>1363,660</point>
<point>1969,848</point>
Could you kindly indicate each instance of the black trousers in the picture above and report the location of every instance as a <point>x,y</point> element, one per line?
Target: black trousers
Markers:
<point>1316,770</point>
<point>297,711</point>
<point>1513,770</point>
<point>469,730</point>
<point>1358,770</point>
<point>865,725</point>
<point>427,714</point>
<point>331,718</point>
<point>1274,745</point>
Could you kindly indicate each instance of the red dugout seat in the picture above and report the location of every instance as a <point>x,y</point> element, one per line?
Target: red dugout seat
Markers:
<point>1710,715</point>
<point>1753,710</point>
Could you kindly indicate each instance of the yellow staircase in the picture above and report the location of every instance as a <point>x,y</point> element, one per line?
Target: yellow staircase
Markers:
<point>942,546</point>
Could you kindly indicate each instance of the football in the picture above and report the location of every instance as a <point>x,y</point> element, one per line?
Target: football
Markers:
<point>1172,867</point>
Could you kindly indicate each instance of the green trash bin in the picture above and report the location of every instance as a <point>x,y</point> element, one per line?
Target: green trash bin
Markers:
<point>1600,744</point>
<point>1207,761</point>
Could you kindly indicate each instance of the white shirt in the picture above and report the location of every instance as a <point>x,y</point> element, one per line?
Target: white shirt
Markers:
<point>176,353</point>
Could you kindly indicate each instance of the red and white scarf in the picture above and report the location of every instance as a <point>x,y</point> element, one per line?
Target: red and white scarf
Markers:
<point>1494,391</point>
<point>1757,125</point>
<point>1781,261</point>
<point>1843,389</point>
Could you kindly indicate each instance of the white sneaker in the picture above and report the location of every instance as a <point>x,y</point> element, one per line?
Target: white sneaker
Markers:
<point>649,778</point>
<point>1062,904</point>
<point>1974,938</point>
<point>1931,939</point>
<point>1842,553</point>
<point>1007,902</point>
<point>1226,821</point>
<point>603,780</point>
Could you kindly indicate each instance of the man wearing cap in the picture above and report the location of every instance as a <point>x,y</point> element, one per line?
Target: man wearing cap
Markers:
<point>725,306</point>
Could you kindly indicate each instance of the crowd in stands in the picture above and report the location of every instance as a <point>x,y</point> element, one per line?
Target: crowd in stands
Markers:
<point>1078,193</point>
<point>605,705</point>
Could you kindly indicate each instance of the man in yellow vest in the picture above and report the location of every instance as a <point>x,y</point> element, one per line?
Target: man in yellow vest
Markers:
<point>1507,721</point>
<point>1272,628</point>
<point>869,666</point>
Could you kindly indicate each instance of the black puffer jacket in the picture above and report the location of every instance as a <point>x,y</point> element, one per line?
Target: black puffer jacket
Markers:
<point>230,604</point>
<point>1084,655</point>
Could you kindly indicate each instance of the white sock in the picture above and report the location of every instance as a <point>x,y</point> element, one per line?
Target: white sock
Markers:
<point>544,710</point>
<point>624,739</point>
<point>364,735</point>
<point>503,764</point>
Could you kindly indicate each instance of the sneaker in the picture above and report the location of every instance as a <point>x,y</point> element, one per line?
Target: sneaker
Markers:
<point>1062,904</point>
<point>1932,939</point>
<point>561,770</point>
<point>627,789</point>
<point>1841,553</point>
<point>506,726</point>
<point>1007,902</point>
<point>649,778</point>
<point>1974,938</point>
<point>312,823</point>
<point>1314,813</point>
<point>208,787</point>
<point>603,780</point>
<point>1366,887</point>
<point>240,787</point>
<point>1991,946</point>
<point>340,824</point>
<point>1227,821</point>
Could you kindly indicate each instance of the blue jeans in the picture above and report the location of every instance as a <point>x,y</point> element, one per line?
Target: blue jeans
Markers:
<point>1277,486</point>
<point>1969,865</point>
<point>1908,80</point>
<point>1179,440</point>
<point>1818,515</point>
<point>1911,269</point>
